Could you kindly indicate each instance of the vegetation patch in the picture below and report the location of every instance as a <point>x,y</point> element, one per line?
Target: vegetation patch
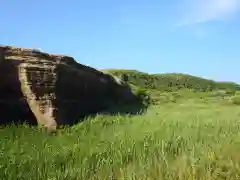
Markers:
<point>172,81</point>
<point>185,132</point>
<point>236,99</point>
<point>182,140</point>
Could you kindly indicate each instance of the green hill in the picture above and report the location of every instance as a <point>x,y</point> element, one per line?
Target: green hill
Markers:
<point>170,81</point>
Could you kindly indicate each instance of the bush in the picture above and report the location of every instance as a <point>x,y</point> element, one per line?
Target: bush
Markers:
<point>142,95</point>
<point>230,92</point>
<point>237,93</point>
<point>164,98</point>
<point>171,82</point>
<point>219,93</point>
<point>172,98</point>
<point>236,99</point>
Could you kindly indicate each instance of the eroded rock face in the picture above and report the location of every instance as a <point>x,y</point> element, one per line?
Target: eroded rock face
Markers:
<point>52,89</point>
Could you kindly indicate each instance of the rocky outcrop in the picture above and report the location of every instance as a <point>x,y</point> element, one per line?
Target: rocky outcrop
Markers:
<point>53,89</point>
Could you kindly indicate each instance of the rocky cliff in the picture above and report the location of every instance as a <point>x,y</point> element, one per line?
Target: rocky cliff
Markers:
<point>52,89</point>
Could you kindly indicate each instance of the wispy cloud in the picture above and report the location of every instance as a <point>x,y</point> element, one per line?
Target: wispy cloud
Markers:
<point>201,11</point>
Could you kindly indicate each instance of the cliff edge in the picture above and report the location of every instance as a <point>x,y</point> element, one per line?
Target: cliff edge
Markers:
<point>53,89</point>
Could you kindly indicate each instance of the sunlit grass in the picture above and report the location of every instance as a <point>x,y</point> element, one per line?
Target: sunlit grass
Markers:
<point>190,139</point>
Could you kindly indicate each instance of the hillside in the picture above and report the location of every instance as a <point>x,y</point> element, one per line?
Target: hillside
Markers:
<point>170,81</point>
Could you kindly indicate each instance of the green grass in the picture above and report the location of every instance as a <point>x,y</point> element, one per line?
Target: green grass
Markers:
<point>236,99</point>
<point>193,138</point>
<point>170,81</point>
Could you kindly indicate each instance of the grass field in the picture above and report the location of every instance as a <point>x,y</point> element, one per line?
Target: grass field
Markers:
<point>192,138</point>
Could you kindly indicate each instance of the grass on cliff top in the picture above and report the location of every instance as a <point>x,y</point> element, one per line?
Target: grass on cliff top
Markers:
<point>195,137</point>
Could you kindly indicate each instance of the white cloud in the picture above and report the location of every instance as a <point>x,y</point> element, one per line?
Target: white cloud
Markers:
<point>201,11</point>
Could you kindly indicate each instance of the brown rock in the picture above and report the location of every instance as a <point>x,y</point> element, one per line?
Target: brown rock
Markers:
<point>52,89</point>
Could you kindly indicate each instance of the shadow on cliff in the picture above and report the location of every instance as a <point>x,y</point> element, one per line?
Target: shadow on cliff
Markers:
<point>13,107</point>
<point>80,92</point>
<point>86,92</point>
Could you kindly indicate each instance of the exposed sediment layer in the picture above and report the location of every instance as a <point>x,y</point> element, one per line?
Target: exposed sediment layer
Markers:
<point>52,89</point>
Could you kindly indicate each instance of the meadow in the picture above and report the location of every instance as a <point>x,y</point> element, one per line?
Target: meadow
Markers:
<point>189,136</point>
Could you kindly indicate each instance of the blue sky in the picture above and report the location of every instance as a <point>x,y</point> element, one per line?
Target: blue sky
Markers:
<point>199,37</point>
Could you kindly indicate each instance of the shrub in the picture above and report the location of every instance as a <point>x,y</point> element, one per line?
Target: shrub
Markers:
<point>219,93</point>
<point>236,99</point>
<point>237,93</point>
<point>172,98</point>
<point>230,92</point>
<point>171,82</point>
<point>165,98</point>
<point>142,95</point>
<point>176,94</point>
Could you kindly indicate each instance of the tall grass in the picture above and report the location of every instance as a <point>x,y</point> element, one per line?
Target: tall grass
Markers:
<point>190,139</point>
